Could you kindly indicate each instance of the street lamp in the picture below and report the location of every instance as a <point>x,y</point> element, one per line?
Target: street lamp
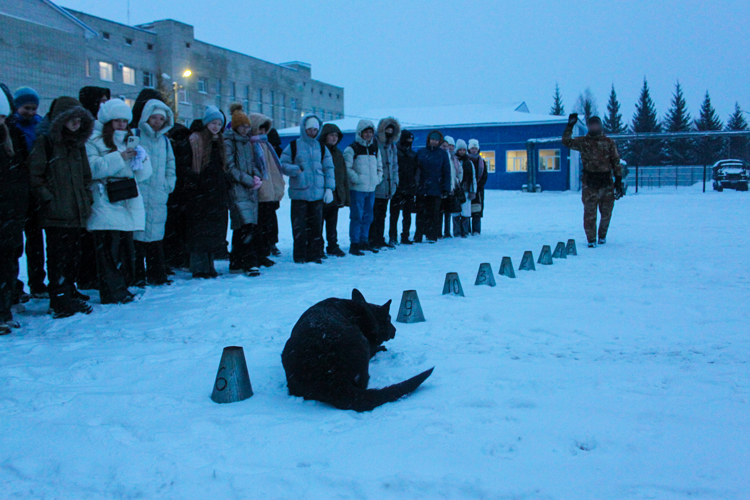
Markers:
<point>176,87</point>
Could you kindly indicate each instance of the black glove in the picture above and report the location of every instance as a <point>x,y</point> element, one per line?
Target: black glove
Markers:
<point>573,118</point>
<point>619,193</point>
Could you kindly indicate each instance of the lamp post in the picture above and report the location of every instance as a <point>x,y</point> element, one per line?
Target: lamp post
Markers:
<point>176,87</point>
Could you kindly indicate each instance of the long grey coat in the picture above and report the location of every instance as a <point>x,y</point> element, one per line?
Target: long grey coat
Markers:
<point>309,177</point>
<point>243,206</point>
<point>389,156</point>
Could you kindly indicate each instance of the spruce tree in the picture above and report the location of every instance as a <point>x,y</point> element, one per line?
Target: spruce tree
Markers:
<point>586,105</point>
<point>558,108</point>
<point>645,121</point>
<point>738,147</point>
<point>708,150</point>
<point>678,151</point>
<point>612,123</point>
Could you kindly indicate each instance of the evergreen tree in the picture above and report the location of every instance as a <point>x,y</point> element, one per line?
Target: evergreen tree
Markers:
<point>612,123</point>
<point>678,151</point>
<point>558,108</point>
<point>738,147</point>
<point>645,121</point>
<point>708,150</point>
<point>586,105</point>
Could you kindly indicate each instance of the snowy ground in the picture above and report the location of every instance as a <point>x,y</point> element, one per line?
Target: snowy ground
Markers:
<point>619,374</point>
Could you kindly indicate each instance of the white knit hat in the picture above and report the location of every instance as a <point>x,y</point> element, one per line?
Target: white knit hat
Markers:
<point>461,144</point>
<point>473,143</point>
<point>449,140</point>
<point>312,122</point>
<point>114,109</point>
<point>4,104</point>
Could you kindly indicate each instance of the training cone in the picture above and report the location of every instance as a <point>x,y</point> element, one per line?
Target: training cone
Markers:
<point>506,268</point>
<point>527,263</point>
<point>232,381</point>
<point>545,258</point>
<point>453,285</point>
<point>571,248</point>
<point>560,251</point>
<point>410,310</point>
<point>485,276</point>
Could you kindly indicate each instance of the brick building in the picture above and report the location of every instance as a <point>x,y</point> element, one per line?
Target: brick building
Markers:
<point>58,51</point>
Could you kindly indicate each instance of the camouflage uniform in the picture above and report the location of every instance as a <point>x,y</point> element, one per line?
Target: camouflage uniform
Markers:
<point>600,161</point>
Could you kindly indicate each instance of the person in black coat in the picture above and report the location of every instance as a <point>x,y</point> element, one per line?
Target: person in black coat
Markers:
<point>201,159</point>
<point>93,97</point>
<point>175,230</point>
<point>434,176</point>
<point>404,200</point>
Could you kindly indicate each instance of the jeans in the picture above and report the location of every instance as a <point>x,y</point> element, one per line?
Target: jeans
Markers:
<point>361,216</point>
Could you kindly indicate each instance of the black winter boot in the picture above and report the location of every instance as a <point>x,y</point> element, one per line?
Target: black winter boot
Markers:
<point>354,249</point>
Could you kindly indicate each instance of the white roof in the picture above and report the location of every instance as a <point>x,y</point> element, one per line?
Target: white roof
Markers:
<point>445,116</point>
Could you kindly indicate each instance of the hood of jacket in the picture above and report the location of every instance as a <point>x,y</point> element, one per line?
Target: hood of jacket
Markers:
<point>143,98</point>
<point>302,133</point>
<point>67,108</point>
<point>91,98</point>
<point>361,127</point>
<point>257,120</point>
<point>148,110</point>
<point>440,141</point>
<point>330,128</point>
<point>384,124</point>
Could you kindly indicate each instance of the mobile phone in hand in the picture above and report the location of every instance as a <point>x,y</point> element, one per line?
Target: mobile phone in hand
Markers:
<point>133,141</point>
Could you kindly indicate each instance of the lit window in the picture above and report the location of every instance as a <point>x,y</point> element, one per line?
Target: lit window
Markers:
<point>516,161</point>
<point>128,76</point>
<point>129,102</point>
<point>549,160</point>
<point>148,79</point>
<point>106,71</point>
<point>489,160</point>
<point>202,85</point>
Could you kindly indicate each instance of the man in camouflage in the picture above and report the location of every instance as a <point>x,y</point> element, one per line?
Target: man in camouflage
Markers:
<point>600,162</point>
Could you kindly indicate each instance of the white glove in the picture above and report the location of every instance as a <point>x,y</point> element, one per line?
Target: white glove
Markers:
<point>328,197</point>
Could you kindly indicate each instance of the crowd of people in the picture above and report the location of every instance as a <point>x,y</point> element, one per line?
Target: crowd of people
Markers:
<point>115,197</point>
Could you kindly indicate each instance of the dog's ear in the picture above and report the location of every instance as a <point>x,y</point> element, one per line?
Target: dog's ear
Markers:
<point>387,306</point>
<point>358,297</point>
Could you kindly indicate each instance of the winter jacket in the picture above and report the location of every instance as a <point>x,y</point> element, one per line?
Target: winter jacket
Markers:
<point>14,189</point>
<point>389,157</point>
<point>364,165</point>
<point>27,127</point>
<point>407,166</point>
<point>456,170</point>
<point>156,189</point>
<point>241,164</point>
<point>480,172</point>
<point>598,153</point>
<point>468,180</point>
<point>309,174</point>
<point>272,189</point>
<point>341,196</point>
<point>433,171</point>
<point>60,182</point>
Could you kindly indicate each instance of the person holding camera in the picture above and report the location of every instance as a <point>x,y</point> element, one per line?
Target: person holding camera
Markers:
<point>601,161</point>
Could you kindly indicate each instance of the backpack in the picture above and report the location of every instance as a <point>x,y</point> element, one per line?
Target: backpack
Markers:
<point>293,146</point>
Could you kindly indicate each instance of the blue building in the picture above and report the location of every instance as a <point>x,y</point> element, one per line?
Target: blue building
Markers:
<point>502,133</point>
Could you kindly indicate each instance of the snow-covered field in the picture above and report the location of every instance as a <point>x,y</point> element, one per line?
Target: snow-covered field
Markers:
<point>618,374</point>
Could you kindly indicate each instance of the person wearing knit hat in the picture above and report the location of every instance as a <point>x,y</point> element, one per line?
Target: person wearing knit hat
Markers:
<point>448,204</point>
<point>24,96</point>
<point>312,124</point>
<point>466,190</point>
<point>480,171</point>
<point>239,117</point>
<point>213,113</point>
<point>473,144</point>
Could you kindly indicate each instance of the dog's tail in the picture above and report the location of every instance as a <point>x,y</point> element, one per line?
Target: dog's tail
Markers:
<point>369,399</point>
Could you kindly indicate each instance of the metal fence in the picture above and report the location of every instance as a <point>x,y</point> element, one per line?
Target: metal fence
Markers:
<point>667,176</point>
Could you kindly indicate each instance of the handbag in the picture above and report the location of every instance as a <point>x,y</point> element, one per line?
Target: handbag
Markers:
<point>121,190</point>
<point>460,195</point>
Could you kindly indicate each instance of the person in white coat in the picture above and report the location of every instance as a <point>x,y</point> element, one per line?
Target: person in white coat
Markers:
<point>156,120</point>
<point>116,170</point>
<point>364,168</point>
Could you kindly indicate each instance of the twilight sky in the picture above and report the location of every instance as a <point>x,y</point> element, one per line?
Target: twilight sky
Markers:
<point>419,53</point>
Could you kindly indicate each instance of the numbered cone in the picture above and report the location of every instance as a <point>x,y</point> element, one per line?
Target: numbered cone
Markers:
<point>506,268</point>
<point>560,251</point>
<point>453,285</point>
<point>410,310</point>
<point>545,258</point>
<point>232,381</point>
<point>527,263</point>
<point>485,276</point>
<point>571,248</point>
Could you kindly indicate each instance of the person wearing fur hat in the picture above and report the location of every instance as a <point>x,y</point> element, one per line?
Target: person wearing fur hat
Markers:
<point>113,221</point>
<point>60,176</point>
<point>201,161</point>
<point>331,136</point>
<point>480,170</point>
<point>243,194</point>
<point>389,133</point>
<point>434,173</point>
<point>364,168</point>
<point>404,200</point>
<point>309,165</point>
<point>156,120</point>
<point>465,191</point>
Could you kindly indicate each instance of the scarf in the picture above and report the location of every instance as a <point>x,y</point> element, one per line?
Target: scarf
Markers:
<point>263,152</point>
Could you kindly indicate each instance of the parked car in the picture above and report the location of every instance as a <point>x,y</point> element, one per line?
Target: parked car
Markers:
<point>731,174</point>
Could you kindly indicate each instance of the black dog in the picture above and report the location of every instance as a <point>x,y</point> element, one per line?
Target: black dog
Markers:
<point>327,357</point>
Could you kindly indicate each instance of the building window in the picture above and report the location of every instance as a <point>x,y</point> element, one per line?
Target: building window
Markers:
<point>489,160</point>
<point>88,68</point>
<point>202,85</point>
<point>259,100</point>
<point>293,104</point>
<point>218,101</point>
<point>233,90</point>
<point>549,160</point>
<point>129,102</point>
<point>187,45</point>
<point>129,42</point>
<point>150,46</point>
<point>128,76</point>
<point>182,96</point>
<point>315,111</point>
<point>106,72</point>
<point>515,161</point>
<point>148,79</point>
<point>105,35</point>
<point>338,96</point>
<point>218,87</point>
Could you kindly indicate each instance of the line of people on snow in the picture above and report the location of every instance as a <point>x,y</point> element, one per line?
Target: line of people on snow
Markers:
<point>124,196</point>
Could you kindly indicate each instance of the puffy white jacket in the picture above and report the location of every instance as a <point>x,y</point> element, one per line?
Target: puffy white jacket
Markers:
<point>156,189</point>
<point>126,215</point>
<point>365,171</point>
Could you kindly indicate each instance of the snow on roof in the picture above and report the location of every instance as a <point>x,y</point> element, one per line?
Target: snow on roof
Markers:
<point>445,116</point>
